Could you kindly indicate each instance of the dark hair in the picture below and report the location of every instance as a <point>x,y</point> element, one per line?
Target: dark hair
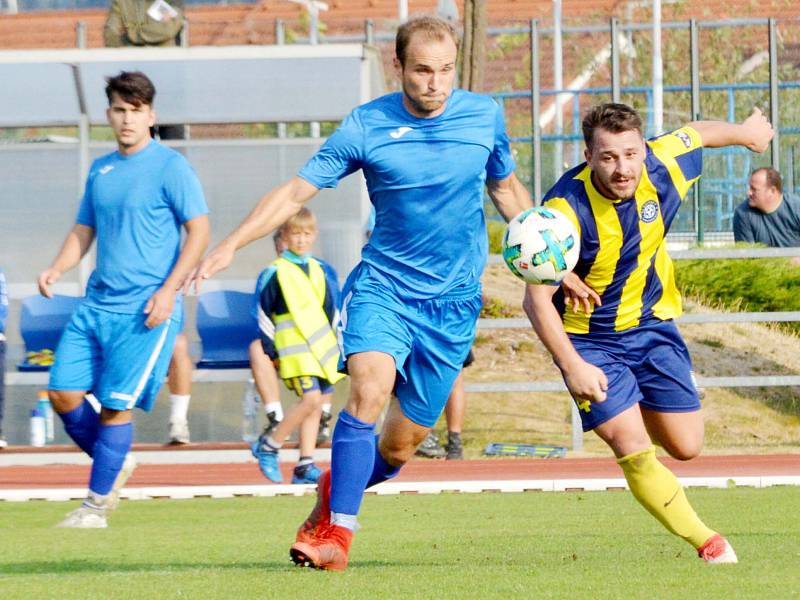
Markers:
<point>773,178</point>
<point>611,116</point>
<point>432,28</point>
<point>133,87</point>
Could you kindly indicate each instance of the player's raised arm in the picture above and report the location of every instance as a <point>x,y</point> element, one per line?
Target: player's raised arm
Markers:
<point>75,246</point>
<point>754,133</point>
<point>272,210</point>
<point>509,196</point>
<point>584,380</point>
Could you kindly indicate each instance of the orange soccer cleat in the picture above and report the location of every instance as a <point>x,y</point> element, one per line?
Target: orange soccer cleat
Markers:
<point>717,551</point>
<point>328,549</point>
<point>320,517</point>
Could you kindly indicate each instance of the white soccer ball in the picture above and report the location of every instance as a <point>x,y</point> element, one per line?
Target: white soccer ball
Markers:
<point>541,245</point>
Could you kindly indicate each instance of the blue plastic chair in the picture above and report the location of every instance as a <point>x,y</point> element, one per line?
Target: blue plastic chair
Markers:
<point>226,327</point>
<point>41,323</point>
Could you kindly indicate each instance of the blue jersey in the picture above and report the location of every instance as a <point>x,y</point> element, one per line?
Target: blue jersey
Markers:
<point>623,247</point>
<point>136,205</point>
<point>425,179</point>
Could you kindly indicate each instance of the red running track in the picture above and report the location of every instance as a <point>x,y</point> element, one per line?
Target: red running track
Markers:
<point>149,475</point>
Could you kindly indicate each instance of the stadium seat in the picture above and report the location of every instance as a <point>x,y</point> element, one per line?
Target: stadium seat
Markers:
<point>41,323</point>
<point>226,327</point>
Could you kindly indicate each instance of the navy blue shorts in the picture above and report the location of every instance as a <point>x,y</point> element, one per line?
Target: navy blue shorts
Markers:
<point>308,383</point>
<point>648,364</point>
<point>428,339</point>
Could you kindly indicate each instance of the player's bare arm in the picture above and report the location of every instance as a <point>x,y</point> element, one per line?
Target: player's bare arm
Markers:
<point>578,294</point>
<point>509,196</point>
<point>584,380</point>
<point>754,133</point>
<point>160,305</point>
<point>75,246</point>
<point>271,211</point>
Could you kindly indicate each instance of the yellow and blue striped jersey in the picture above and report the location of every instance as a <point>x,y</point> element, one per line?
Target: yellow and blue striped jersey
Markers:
<point>623,251</point>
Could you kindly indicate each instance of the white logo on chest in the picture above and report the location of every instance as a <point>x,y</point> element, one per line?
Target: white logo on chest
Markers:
<point>106,169</point>
<point>400,132</point>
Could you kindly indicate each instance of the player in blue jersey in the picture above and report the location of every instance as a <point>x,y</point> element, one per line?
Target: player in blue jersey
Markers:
<point>410,306</point>
<point>119,341</point>
<point>610,325</point>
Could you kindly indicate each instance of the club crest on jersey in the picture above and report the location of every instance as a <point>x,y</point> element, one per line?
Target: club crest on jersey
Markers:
<point>684,137</point>
<point>649,211</point>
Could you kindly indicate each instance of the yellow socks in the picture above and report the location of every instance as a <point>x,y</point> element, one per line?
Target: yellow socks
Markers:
<point>659,491</point>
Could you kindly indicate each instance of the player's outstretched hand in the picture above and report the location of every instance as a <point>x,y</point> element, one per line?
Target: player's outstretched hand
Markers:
<point>759,131</point>
<point>159,308</point>
<point>47,278</point>
<point>578,294</point>
<point>218,259</point>
<point>586,382</point>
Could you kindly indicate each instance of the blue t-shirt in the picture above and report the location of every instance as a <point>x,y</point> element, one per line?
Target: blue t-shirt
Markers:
<point>136,205</point>
<point>779,229</point>
<point>425,179</point>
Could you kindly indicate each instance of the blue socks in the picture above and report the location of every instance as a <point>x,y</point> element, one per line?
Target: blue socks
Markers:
<point>81,425</point>
<point>382,470</point>
<point>353,459</point>
<point>113,443</point>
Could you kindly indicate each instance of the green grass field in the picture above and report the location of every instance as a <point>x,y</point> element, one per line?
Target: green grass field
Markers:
<point>532,545</point>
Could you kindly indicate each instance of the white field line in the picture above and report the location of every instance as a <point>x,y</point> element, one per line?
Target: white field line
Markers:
<point>390,488</point>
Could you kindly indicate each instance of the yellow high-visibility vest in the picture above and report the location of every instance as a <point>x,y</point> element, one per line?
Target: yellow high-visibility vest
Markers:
<point>304,339</point>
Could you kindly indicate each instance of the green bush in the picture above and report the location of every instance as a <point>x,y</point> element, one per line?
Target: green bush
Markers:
<point>495,229</point>
<point>757,285</point>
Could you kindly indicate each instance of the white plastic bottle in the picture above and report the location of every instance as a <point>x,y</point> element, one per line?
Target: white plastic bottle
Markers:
<point>38,428</point>
<point>44,406</point>
<point>250,404</point>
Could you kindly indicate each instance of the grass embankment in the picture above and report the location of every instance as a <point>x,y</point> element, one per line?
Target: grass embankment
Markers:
<point>530,545</point>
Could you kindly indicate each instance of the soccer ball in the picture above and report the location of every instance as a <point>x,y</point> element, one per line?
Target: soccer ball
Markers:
<point>541,245</point>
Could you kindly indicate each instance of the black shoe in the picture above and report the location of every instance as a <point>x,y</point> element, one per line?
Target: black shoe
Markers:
<point>324,433</point>
<point>272,423</point>
<point>454,448</point>
<point>430,448</point>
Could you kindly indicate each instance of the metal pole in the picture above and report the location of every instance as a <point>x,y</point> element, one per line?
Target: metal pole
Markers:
<point>84,267</point>
<point>658,71</point>
<point>616,84</point>
<point>774,112</point>
<point>313,38</point>
<point>280,40</point>
<point>536,131</point>
<point>402,10</point>
<point>80,35</point>
<point>280,32</point>
<point>790,158</point>
<point>694,57</point>
<point>558,83</point>
<point>369,32</point>
<point>183,36</point>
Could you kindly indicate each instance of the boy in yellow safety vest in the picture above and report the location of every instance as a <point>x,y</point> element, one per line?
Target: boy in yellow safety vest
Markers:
<point>297,316</point>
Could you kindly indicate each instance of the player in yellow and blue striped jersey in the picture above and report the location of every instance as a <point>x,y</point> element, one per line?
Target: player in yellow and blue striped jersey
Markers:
<point>610,327</point>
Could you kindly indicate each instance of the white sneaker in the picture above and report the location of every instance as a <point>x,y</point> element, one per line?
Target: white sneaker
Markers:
<point>3,442</point>
<point>85,517</point>
<point>178,432</point>
<point>124,474</point>
<point>717,551</point>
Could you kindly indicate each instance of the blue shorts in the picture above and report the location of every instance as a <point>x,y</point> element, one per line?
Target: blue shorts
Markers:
<point>648,364</point>
<point>113,355</point>
<point>307,383</point>
<point>428,339</point>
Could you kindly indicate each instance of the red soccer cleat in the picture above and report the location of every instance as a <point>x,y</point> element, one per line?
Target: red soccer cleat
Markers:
<point>328,550</point>
<point>320,517</point>
<point>717,551</point>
